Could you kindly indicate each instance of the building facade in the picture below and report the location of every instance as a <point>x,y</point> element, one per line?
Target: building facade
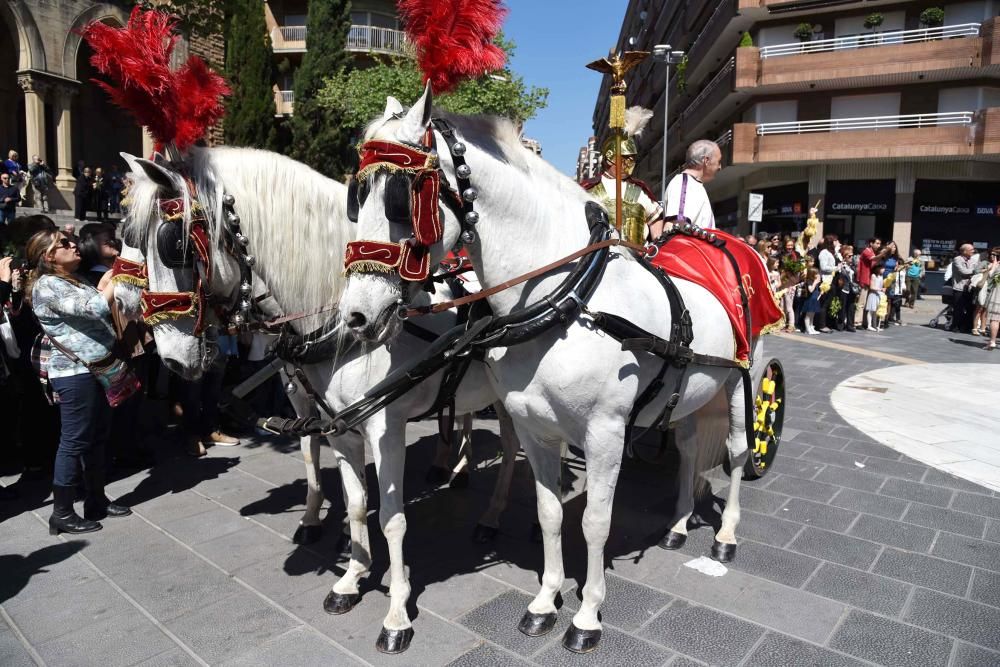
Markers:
<point>49,105</point>
<point>885,113</point>
<point>375,33</point>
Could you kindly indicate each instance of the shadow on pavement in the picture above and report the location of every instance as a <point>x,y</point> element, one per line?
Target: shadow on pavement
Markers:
<point>18,570</point>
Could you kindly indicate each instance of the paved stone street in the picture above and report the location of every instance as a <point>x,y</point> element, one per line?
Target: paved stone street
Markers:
<point>850,553</point>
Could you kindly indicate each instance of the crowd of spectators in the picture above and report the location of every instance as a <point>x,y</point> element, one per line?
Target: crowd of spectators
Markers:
<point>832,287</point>
<point>55,283</point>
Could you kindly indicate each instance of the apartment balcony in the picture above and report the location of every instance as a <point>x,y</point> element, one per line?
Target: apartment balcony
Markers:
<point>360,39</point>
<point>288,39</point>
<point>284,102</point>
<point>878,59</point>
<point>907,137</point>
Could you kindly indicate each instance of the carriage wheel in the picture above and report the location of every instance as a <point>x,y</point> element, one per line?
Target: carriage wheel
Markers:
<point>769,412</point>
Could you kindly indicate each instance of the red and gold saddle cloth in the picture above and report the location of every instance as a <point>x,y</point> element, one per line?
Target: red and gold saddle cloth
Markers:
<point>698,261</point>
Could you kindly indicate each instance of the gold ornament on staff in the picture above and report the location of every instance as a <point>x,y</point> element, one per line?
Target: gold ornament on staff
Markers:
<point>617,66</point>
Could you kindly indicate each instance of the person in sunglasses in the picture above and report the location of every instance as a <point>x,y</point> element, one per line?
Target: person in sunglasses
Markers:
<point>77,317</point>
<point>641,212</point>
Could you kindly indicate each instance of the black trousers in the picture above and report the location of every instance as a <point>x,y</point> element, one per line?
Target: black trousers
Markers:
<point>81,206</point>
<point>963,311</point>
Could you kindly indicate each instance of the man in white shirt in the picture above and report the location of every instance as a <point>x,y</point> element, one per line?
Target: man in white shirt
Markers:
<point>686,196</point>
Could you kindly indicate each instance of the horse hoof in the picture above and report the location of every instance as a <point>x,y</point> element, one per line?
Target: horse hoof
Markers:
<point>437,476</point>
<point>337,603</point>
<point>307,534</point>
<point>536,533</point>
<point>484,534</point>
<point>536,625</point>
<point>344,544</point>
<point>393,641</point>
<point>460,481</point>
<point>673,540</point>
<point>581,641</point>
<point>723,552</point>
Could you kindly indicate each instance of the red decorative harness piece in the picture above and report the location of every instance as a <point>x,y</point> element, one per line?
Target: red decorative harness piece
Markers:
<point>409,258</point>
<point>127,271</point>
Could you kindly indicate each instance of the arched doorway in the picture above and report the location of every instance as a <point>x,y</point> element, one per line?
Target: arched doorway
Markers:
<point>101,130</point>
<point>12,130</point>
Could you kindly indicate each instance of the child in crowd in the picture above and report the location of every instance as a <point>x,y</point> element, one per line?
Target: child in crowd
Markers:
<point>875,293</point>
<point>811,305</point>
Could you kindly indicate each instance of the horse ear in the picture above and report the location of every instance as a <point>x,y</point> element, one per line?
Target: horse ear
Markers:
<point>392,108</point>
<point>417,118</point>
<point>130,160</point>
<point>157,174</point>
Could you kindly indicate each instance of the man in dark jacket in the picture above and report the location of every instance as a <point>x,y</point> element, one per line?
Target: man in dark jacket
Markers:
<point>10,195</point>
<point>82,192</point>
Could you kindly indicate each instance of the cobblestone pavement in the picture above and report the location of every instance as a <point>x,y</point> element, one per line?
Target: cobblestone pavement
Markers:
<point>893,563</point>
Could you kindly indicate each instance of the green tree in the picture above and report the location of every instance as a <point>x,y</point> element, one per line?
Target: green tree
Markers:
<point>200,18</point>
<point>319,138</point>
<point>250,70</point>
<point>357,96</point>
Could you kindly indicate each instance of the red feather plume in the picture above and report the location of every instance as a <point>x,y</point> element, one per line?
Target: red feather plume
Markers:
<point>177,107</point>
<point>454,38</point>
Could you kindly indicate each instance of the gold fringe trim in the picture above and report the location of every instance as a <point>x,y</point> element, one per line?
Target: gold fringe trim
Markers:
<point>617,119</point>
<point>164,315</point>
<point>380,166</point>
<point>131,280</point>
<point>368,265</point>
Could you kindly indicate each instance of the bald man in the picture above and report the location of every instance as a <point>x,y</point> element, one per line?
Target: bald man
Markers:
<point>686,196</point>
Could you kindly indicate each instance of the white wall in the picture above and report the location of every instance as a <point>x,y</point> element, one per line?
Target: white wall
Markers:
<point>776,34</point>
<point>858,106</point>
<point>773,112</point>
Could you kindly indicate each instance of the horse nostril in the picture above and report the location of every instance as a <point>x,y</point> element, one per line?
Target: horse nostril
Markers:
<point>356,320</point>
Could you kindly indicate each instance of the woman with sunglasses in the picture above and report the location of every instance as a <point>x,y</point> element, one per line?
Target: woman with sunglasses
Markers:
<point>78,318</point>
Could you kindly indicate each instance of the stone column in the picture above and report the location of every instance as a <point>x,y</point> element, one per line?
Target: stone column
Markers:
<point>35,92</point>
<point>902,225</point>
<point>148,144</point>
<point>63,106</point>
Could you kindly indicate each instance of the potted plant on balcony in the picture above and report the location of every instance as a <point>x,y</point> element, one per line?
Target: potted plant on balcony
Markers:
<point>932,17</point>
<point>746,39</point>
<point>681,73</point>
<point>873,21</point>
<point>804,32</point>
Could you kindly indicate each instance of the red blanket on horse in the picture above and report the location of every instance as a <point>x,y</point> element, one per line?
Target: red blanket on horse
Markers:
<point>701,262</point>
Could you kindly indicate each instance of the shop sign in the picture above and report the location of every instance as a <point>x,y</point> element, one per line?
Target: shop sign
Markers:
<point>946,209</point>
<point>860,197</point>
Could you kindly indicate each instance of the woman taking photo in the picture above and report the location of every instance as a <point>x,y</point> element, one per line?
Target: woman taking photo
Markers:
<point>77,318</point>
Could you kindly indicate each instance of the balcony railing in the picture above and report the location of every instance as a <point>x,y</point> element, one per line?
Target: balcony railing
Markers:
<point>868,123</point>
<point>363,38</point>
<point>874,39</point>
<point>712,85</point>
<point>725,138</point>
<point>284,102</point>
<point>380,40</point>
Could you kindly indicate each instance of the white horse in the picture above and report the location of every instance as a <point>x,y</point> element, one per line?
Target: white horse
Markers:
<point>297,239</point>
<point>573,383</point>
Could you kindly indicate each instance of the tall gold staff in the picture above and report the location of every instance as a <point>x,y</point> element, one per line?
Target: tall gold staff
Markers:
<point>617,66</point>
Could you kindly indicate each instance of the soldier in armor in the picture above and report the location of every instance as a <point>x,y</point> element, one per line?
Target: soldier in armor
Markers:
<point>640,208</point>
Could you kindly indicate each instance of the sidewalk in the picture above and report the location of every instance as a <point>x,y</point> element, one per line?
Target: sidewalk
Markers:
<point>850,554</point>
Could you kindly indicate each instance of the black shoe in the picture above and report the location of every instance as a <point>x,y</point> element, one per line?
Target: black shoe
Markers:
<point>97,506</point>
<point>64,519</point>
<point>850,329</point>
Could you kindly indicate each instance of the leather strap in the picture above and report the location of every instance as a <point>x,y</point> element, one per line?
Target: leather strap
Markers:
<point>438,307</point>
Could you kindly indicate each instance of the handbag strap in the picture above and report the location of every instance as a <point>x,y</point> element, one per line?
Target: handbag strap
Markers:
<point>59,346</point>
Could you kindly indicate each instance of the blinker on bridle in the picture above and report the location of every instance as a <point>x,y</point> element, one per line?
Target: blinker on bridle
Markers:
<point>411,196</point>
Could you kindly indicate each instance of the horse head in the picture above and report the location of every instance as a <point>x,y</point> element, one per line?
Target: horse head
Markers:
<point>192,279</point>
<point>399,199</point>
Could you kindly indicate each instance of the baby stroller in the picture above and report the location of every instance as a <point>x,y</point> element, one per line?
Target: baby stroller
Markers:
<point>944,318</point>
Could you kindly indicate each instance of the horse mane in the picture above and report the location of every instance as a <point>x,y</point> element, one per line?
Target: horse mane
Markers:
<point>295,218</point>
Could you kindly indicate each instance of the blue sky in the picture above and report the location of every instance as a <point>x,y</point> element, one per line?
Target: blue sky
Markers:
<point>555,39</point>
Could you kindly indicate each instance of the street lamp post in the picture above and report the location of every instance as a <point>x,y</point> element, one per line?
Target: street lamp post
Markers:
<point>669,57</point>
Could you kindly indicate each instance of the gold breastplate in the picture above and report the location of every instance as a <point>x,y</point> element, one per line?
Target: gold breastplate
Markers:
<point>633,214</point>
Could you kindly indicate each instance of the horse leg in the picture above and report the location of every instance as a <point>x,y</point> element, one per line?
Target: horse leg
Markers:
<point>350,451</point>
<point>545,457</point>
<point>724,547</point>
<point>604,454</point>
<point>389,451</point>
<point>439,473</point>
<point>489,523</point>
<point>310,528</point>
<point>461,469</point>
<point>687,444</point>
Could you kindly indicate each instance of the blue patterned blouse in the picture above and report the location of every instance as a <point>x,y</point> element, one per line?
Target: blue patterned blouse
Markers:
<point>78,317</point>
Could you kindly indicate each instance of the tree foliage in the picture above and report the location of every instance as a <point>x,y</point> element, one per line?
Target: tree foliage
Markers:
<point>357,96</point>
<point>198,18</point>
<point>250,70</point>
<point>319,138</point>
